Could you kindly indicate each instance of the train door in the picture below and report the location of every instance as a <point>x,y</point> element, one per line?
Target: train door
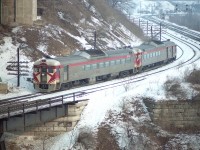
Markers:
<point>138,60</point>
<point>167,50</point>
<point>65,73</point>
<point>172,51</point>
<point>43,74</point>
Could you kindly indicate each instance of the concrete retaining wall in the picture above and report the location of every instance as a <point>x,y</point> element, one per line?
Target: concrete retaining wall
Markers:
<point>26,12</point>
<point>62,124</point>
<point>176,115</point>
<point>7,12</point>
<point>3,88</point>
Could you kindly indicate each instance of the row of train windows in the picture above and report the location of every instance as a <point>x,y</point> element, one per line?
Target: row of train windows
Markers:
<point>106,64</point>
<point>44,70</point>
<point>150,55</point>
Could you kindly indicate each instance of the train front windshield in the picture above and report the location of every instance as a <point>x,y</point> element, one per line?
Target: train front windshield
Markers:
<point>44,74</point>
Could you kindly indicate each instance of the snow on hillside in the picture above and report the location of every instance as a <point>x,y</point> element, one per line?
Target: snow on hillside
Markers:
<point>154,7</point>
<point>101,103</point>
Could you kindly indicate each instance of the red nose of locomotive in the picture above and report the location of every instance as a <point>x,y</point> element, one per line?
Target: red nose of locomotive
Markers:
<point>46,75</point>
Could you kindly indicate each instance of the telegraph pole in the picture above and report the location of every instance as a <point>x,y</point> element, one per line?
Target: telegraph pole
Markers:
<point>160,30</point>
<point>95,39</point>
<point>17,68</point>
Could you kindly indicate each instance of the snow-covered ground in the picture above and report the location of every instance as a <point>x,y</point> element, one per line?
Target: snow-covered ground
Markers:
<point>101,102</point>
<point>109,99</point>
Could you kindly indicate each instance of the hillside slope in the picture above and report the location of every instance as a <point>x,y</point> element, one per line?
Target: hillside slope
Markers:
<point>64,26</point>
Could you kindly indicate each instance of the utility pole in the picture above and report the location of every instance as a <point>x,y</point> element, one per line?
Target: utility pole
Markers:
<point>160,30</point>
<point>18,71</point>
<point>147,27</point>
<point>139,23</point>
<point>17,67</point>
<point>95,39</point>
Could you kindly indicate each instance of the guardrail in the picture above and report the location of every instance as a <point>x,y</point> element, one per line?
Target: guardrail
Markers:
<point>21,107</point>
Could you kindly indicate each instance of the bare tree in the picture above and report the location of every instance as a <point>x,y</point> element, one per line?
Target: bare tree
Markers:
<point>115,3</point>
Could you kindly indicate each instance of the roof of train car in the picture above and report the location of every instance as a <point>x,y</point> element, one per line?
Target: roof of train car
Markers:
<point>117,52</point>
<point>65,60</point>
<point>85,55</point>
<point>154,44</point>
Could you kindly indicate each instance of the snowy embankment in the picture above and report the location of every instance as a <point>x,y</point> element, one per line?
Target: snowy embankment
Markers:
<point>111,100</point>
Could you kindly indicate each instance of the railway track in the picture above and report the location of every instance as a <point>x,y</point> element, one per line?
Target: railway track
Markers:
<point>190,60</point>
<point>24,98</point>
<point>182,30</point>
<point>22,104</point>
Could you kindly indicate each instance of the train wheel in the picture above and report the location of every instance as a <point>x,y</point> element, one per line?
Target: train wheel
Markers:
<point>66,86</point>
<point>123,74</point>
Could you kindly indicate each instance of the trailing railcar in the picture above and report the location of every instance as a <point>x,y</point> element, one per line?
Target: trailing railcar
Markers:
<point>91,66</point>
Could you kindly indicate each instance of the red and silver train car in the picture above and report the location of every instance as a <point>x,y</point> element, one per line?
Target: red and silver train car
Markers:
<point>91,66</point>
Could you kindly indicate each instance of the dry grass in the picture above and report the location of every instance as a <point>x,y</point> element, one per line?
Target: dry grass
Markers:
<point>86,138</point>
<point>193,77</point>
<point>173,88</point>
<point>106,141</point>
<point>73,11</point>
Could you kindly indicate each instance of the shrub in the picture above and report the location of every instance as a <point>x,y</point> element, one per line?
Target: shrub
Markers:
<point>173,88</point>
<point>106,141</point>
<point>193,77</point>
<point>86,138</point>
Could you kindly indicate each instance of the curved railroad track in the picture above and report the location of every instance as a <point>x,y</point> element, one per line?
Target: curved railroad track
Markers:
<point>36,101</point>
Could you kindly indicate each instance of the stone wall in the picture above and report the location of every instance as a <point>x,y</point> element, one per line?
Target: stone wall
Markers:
<point>3,88</point>
<point>175,115</point>
<point>60,125</point>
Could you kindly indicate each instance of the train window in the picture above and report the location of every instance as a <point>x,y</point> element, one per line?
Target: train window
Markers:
<point>128,60</point>
<point>112,62</point>
<point>44,69</point>
<point>123,61</point>
<point>145,57</point>
<point>87,67</point>
<point>57,70</point>
<point>65,69</point>
<point>94,66</point>
<point>107,63</point>
<point>50,69</point>
<point>36,70</point>
<point>101,65</point>
<point>118,62</point>
<point>159,53</point>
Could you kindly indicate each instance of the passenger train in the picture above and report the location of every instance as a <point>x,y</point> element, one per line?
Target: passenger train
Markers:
<point>91,66</point>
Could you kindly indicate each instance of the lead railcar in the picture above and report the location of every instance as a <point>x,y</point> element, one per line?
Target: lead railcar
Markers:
<point>91,66</point>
